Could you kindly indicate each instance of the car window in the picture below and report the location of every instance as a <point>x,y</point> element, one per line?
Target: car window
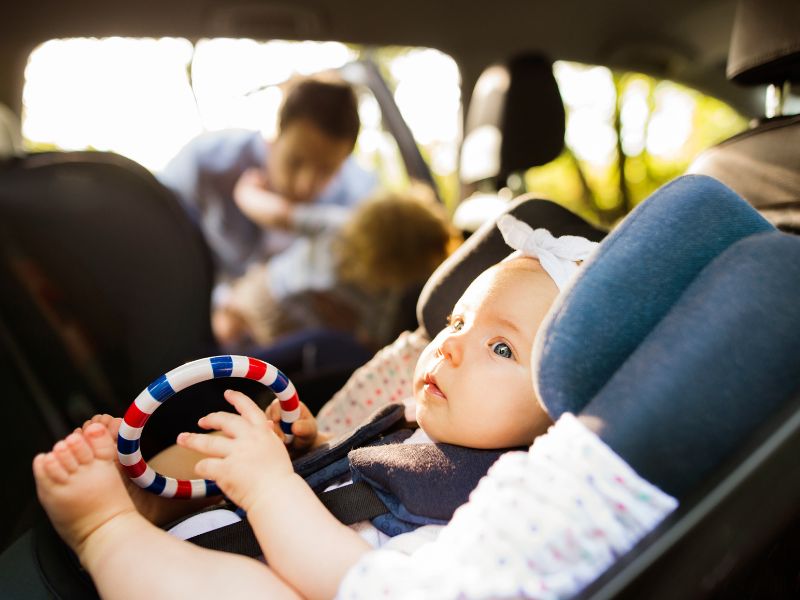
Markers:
<point>626,135</point>
<point>145,98</point>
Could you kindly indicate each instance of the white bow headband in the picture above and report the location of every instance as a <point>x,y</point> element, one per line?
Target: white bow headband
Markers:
<point>558,256</point>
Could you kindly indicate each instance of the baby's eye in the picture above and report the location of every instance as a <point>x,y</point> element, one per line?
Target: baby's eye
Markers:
<point>502,349</point>
<point>455,323</point>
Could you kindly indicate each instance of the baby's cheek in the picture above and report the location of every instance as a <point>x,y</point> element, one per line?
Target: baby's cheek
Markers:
<point>428,421</point>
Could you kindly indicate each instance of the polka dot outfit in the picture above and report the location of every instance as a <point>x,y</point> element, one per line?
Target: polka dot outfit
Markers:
<point>540,524</point>
<point>383,380</point>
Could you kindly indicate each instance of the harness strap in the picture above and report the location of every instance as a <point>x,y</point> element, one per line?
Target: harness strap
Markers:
<point>237,538</point>
<point>350,504</point>
<point>353,503</point>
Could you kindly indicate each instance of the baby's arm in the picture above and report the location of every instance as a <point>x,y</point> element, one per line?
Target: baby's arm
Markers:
<point>301,540</point>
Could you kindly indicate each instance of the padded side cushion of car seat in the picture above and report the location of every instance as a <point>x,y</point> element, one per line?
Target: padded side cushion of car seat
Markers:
<point>631,282</point>
<point>718,365</point>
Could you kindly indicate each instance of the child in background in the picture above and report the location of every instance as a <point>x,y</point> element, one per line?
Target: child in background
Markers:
<point>347,273</point>
<point>486,346</point>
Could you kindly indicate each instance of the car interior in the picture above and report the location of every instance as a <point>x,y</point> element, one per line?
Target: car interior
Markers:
<point>106,283</point>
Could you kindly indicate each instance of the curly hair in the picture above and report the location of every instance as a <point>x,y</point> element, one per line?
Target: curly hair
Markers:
<point>395,240</point>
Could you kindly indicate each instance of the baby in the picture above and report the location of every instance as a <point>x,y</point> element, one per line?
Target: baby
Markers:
<point>486,346</point>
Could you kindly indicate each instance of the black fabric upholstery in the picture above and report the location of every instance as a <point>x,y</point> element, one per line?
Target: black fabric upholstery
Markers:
<point>533,123</point>
<point>107,283</point>
<point>520,101</point>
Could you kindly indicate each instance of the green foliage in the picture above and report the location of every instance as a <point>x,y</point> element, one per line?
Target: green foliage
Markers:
<point>603,192</point>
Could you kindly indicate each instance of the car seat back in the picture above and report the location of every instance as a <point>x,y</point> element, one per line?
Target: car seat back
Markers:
<point>762,164</point>
<point>106,282</point>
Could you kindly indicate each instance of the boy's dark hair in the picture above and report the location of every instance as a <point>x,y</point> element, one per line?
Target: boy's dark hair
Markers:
<point>327,101</point>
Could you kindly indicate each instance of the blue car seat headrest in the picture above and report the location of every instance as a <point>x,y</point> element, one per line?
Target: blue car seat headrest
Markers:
<point>679,336</point>
<point>722,361</point>
<point>637,274</point>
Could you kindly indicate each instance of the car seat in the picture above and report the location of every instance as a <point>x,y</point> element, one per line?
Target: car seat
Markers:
<point>680,335</point>
<point>678,345</point>
<point>762,164</point>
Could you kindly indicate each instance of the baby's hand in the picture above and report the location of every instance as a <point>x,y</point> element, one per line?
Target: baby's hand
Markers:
<point>249,460</point>
<point>304,428</point>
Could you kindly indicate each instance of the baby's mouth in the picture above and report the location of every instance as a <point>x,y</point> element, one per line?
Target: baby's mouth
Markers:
<point>431,388</point>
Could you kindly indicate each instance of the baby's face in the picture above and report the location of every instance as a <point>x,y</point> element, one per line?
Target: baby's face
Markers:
<point>472,383</point>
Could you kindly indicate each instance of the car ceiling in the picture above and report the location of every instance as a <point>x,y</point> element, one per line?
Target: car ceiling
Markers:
<point>683,40</point>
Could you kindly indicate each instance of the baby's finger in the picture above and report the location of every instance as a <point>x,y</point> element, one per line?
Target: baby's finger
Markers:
<point>230,424</point>
<point>210,445</point>
<point>273,411</point>
<point>304,432</point>
<point>276,429</point>
<point>245,407</point>
<point>209,468</point>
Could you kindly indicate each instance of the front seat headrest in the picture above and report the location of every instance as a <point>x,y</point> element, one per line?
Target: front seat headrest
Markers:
<point>765,43</point>
<point>516,120</point>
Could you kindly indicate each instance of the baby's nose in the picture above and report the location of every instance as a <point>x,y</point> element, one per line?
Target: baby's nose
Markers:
<point>451,349</point>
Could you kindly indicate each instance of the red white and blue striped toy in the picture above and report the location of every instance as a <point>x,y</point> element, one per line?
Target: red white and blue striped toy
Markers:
<point>155,394</point>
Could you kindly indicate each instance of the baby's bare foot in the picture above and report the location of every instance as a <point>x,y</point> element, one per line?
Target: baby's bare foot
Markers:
<point>79,485</point>
<point>146,503</point>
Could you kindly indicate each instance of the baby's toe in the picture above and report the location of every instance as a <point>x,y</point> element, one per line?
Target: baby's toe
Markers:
<point>113,424</point>
<point>65,456</point>
<point>100,441</point>
<point>53,468</point>
<point>80,448</point>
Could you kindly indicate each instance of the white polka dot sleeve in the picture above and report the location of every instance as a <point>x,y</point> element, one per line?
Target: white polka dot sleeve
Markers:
<point>385,379</point>
<point>540,524</point>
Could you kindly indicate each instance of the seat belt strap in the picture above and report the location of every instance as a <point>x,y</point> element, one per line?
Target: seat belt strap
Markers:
<point>349,503</point>
<point>353,503</point>
<point>237,538</point>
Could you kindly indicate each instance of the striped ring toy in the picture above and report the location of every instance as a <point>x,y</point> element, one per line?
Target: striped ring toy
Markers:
<point>154,395</point>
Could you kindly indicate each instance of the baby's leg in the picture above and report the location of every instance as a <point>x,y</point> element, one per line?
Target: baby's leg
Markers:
<point>86,500</point>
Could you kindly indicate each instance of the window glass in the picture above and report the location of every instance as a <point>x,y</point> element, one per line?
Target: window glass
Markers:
<point>145,98</point>
<point>626,135</point>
